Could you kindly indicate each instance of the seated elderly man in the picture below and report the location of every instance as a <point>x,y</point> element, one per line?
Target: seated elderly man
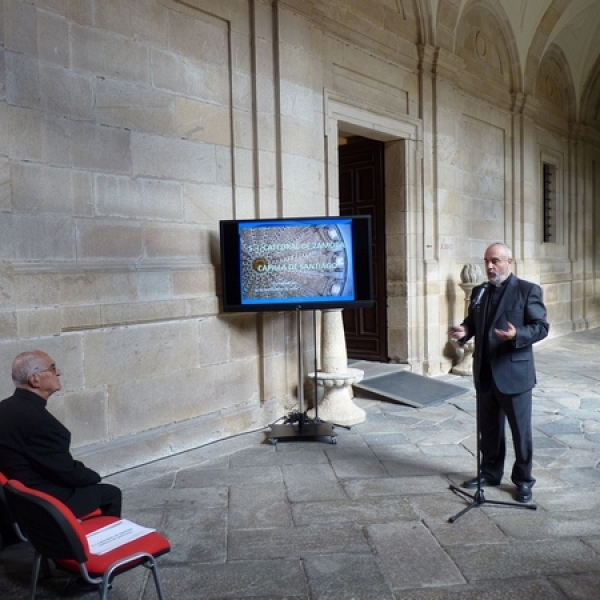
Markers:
<point>35,446</point>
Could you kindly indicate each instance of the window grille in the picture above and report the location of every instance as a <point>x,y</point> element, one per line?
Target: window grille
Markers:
<point>549,202</point>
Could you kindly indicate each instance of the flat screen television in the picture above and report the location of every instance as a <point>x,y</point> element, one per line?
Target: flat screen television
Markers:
<point>297,263</point>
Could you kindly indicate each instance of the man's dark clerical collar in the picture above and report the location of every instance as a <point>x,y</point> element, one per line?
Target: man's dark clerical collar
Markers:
<point>503,284</point>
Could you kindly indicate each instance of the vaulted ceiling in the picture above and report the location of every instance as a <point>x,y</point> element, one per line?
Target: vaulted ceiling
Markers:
<point>571,25</point>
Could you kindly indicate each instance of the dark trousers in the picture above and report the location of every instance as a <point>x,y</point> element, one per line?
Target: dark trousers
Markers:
<point>105,496</point>
<point>495,408</point>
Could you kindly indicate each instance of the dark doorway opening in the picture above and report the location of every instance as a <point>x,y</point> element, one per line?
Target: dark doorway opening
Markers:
<point>362,192</point>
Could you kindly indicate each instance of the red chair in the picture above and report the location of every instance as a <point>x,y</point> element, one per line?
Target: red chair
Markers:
<point>54,532</point>
<point>7,516</point>
<point>10,520</point>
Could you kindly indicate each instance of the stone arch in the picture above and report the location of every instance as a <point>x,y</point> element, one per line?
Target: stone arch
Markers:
<point>423,9</point>
<point>409,20</point>
<point>448,14</point>
<point>485,41</point>
<point>554,87</point>
<point>413,21</point>
<point>590,99</point>
<point>539,41</point>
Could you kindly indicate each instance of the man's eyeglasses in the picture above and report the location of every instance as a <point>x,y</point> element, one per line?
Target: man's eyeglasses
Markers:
<point>51,369</point>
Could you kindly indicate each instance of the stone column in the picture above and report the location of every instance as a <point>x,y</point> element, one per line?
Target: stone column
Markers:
<point>335,378</point>
<point>470,276</point>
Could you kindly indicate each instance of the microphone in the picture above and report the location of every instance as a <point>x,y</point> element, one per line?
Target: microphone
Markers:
<point>480,293</point>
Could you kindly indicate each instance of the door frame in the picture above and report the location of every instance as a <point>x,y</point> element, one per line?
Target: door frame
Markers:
<point>366,327</point>
<point>405,228</point>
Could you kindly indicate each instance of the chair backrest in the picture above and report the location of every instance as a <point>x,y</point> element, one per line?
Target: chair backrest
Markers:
<point>6,515</point>
<point>4,508</point>
<point>50,527</point>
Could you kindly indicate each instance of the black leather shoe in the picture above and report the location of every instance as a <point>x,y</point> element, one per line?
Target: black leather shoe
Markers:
<point>483,481</point>
<point>523,493</point>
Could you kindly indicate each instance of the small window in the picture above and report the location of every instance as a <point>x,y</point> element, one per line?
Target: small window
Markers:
<point>549,202</point>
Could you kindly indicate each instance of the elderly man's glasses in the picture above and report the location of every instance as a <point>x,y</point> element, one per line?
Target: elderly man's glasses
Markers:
<point>51,369</point>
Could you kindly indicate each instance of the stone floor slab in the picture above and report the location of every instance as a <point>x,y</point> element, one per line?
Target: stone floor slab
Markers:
<point>260,580</point>
<point>579,587</point>
<point>368,510</point>
<point>400,486</point>
<point>409,556</point>
<point>345,576</point>
<point>314,482</point>
<point>297,542</point>
<point>259,506</point>
<point>541,589</point>
<point>540,525</point>
<point>481,562</point>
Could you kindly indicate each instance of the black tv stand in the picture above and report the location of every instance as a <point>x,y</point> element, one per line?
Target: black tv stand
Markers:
<point>297,425</point>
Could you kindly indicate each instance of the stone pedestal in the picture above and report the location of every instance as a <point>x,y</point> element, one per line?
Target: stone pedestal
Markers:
<point>335,377</point>
<point>470,277</point>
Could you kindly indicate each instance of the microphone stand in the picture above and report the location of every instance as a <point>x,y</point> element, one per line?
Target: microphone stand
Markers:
<point>478,498</point>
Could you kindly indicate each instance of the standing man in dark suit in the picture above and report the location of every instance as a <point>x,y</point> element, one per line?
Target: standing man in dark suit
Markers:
<point>35,446</point>
<point>506,316</point>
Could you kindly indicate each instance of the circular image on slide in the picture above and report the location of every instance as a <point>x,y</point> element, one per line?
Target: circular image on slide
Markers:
<point>290,262</point>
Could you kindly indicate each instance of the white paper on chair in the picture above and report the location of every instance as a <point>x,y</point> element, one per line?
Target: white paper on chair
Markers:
<point>116,534</point>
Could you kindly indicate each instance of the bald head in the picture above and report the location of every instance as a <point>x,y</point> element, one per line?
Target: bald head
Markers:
<point>498,262</point>
<point>36,371</point>
<point>501,247</point>
<point>26,364</point>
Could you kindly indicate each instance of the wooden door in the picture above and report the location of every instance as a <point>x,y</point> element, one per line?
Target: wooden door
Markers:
<point>362,193</point>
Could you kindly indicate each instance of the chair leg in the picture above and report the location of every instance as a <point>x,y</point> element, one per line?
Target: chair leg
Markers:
<point>148,561</point>
<point>46,569</point>
<point>35,573</point>
<point>154,568</point>
<point>105,585</point>
<point>103,589</point>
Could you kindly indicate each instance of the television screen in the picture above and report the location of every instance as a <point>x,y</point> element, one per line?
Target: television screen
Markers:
<point>296,263</point>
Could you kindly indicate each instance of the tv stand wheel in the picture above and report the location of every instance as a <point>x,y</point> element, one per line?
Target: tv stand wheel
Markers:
<point>334,440</point>
<point>273,441</point>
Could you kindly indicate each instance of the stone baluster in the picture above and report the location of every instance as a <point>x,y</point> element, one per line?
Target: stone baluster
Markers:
<point>470,276</point>
<point>335,377</point>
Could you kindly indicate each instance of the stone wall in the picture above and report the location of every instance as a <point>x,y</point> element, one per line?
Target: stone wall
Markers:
<point>128,133</point>
<point>129,128</point>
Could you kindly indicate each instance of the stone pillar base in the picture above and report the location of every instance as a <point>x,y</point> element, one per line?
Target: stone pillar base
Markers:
<point>336,406</point>
<point>465,365</point>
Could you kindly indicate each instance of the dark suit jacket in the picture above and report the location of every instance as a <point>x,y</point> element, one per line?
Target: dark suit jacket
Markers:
<point>511,362</point>
<point>35,448</point>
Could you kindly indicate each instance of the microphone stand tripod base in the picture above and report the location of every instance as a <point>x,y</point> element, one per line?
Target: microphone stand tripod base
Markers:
<point>478,499</point>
